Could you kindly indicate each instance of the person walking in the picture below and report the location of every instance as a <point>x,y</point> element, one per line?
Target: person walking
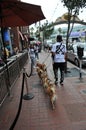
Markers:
<point>32,57</point>
<point>58,54</point>
<point>36,49</point>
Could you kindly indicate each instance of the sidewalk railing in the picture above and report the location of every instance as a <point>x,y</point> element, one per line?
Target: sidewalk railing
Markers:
<point>14,71</point>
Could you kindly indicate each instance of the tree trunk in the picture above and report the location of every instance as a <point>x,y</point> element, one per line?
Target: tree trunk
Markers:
<point>67,38</point>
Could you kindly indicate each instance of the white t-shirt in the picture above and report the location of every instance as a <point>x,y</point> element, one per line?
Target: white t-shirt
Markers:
<point>60,50</point>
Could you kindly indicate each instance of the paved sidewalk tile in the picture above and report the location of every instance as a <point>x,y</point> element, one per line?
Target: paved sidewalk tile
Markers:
<point>37,114</point>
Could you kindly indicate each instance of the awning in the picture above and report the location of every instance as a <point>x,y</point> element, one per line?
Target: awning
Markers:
<point>75,34</point>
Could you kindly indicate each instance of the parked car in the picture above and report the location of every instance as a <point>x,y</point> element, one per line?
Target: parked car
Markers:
<point>73,56</point>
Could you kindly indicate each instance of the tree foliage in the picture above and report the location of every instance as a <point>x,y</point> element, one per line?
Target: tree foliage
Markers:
<point>47,29</point>
<point>73,7</point>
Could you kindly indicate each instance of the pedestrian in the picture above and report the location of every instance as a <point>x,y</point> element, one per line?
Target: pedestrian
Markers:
<point>58,54</point>
<point>36,49</point>
<point>32,57</point>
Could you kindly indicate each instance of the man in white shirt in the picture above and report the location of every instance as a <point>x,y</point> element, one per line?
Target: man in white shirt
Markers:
<point>59,53</point>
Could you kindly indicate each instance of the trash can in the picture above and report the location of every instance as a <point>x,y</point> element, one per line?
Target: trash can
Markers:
<point>80,51</point>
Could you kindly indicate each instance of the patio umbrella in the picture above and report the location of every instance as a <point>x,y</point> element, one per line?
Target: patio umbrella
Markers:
<point>15,13</point>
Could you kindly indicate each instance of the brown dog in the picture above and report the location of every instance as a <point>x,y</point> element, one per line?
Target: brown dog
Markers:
<point>51,91</point>
<point>49,87</point>
<point>41,66</point>
<point>39,71</point>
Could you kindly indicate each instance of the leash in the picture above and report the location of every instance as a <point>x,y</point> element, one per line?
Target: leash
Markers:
<point>46,58</point>
<point>48,64</point>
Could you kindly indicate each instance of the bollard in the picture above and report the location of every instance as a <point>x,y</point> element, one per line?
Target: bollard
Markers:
<point>27,96</point>
<point>80,55</point>
<point>80,72</point>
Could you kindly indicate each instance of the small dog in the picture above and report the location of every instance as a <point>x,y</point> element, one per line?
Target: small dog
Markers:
<point>45,82</point>
<point>51,91</point>
<point>39,71</point>
<point>48,85</point>
<point>41,66</point>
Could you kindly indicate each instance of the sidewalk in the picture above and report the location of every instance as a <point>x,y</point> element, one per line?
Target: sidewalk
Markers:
<point>36,114</point>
